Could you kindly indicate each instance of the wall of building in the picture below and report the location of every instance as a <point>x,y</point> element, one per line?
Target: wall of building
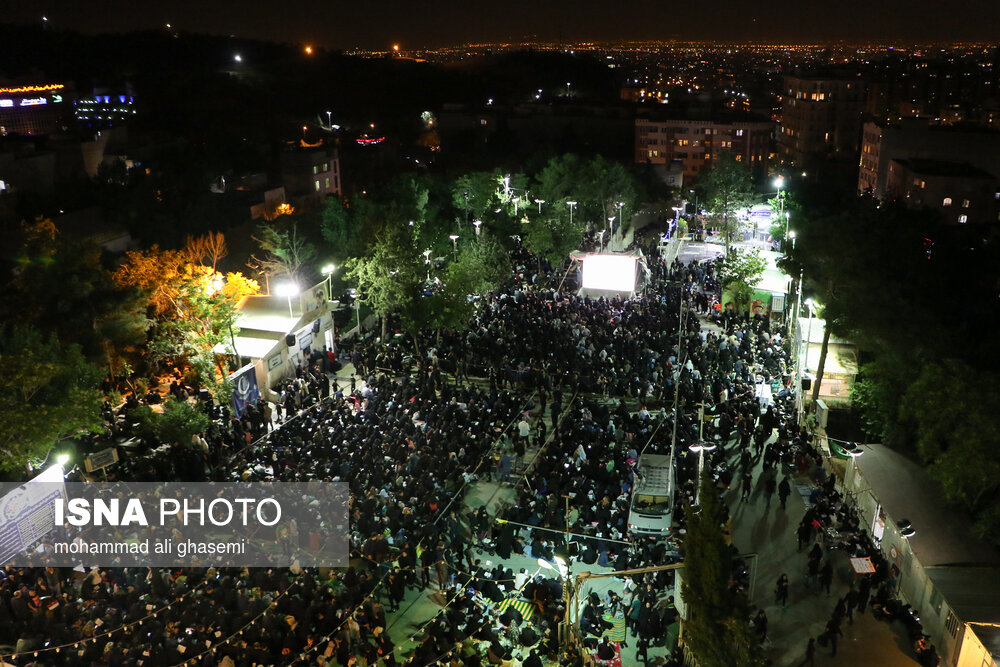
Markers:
<point>918,140</point>
<point>695,143</point>
<point>821,116</point>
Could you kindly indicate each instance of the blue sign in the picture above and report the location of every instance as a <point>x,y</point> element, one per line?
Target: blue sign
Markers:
<point>245,390</point>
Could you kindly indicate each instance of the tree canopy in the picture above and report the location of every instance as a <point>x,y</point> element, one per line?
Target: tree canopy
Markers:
<point>47,392</point>
<point>727,188</point>
<point>717,629</point>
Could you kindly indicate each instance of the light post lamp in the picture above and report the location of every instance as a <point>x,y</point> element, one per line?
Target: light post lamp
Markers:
<point>427,262</point>
<point>802,358</point>
<point>454,242</point>
<point>572,205</point>
<point>288,290</point>
<point>329,119</point>
<point>328,272</point>
<point>621,219</point>
<point>539,202</point>
<point>478,224</point>
<point>600,239</point>
<point>611,228</point>
<point>779,185</point>
<point>700,448</point>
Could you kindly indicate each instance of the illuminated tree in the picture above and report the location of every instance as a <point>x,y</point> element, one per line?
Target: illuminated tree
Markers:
<point>727,188</point>
<point>285,250</point>
<point>739,273</point>
<point>206,250</point>
<point>390,276</point>
<point>194,306</point>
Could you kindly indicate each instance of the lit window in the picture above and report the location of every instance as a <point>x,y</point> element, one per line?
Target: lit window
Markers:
<point>326,166</point>
<point>328,184</point>
<point>965,203</point>
<point>315,169</point>
<point>482,121</point>
<point>739,133</point>
<point>946,202</point>
<point>317,186</point>
<point>963,218</point>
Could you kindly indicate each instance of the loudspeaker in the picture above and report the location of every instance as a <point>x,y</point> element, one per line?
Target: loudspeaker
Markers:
<point>290,340</point>
<point>807,384</point>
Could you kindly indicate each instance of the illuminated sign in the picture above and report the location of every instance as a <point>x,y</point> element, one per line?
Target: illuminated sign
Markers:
<point>56,99</point>
<point>365,141</point>
<point>609,272</point>
<point>6,103</point>
<point>33,101</point>
<point>33,89</point>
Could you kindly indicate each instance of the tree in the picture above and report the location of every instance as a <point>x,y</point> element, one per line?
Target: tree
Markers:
<point>954,408</point>
<point>717,629</point>
<point>598,186</point>
<point>194,306</point>
<point>206,250</point>
<point>553,239</point>
<point>727,188</point>
<point>739,273</point>
<point>389,277</point>
<point>481,267</point>
<point>47,392</point>
<point>62,286</point>
<point>176,424</point>
<point>286,251</point>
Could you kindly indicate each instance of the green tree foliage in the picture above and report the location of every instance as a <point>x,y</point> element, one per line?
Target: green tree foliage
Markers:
<point>954,409</point>
<point>47,392</point>
<point>286,251</point>
<point>553,239</point>
<point>481,267</point>
<point>739,273</point>
<point>61,285</point>
<point>726,189</point>
<point>717,629</point>
<point>917,297</point>
<point>390,276</point>
<point>342,228</point>
<point>597,185</point>
<point>176,424</point>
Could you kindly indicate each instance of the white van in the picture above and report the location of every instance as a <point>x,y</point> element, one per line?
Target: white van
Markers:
<point>652,507</point>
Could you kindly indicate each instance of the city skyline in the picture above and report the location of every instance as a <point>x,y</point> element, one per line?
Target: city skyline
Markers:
<point>448,22</point>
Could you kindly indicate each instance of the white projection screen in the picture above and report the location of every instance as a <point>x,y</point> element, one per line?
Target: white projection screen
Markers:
<point>609,272</point>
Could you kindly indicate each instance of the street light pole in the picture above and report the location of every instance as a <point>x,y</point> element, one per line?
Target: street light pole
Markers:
<point>572,205</point>
<point>803,359</point>
<point>539,202</point>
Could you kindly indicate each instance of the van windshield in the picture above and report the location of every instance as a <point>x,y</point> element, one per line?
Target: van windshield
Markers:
<point>654,505</point>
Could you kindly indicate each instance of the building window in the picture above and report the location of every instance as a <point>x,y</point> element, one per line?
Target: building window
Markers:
<point>482,121</point>
<point>326,166</point>
<point>946,202</point>
<point>317,186</point>
<point>328,184</point>
<point>963,218</point>
<point>739,133</point>
<point>965,203</point>
<point>682,142</point>
<point>315,169</point>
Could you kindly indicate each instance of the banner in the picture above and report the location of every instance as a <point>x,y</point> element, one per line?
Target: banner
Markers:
<point>175,524</point>
<point>245,390</point>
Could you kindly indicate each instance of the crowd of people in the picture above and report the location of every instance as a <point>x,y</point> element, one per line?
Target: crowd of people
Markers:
<point>587,386</point>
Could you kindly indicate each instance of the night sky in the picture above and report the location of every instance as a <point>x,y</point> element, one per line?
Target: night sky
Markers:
<point>429,23</point>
